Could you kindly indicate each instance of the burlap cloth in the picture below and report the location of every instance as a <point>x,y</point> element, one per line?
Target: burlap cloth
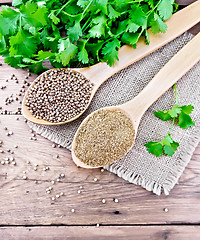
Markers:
<point>157,174</point>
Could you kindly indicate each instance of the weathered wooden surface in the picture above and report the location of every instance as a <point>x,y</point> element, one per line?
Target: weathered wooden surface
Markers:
<point>102,233</point>
<point>24,202</point>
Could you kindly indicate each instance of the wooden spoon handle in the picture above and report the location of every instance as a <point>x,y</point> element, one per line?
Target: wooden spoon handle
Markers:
<point>177,24</point>
<point>182,62</point>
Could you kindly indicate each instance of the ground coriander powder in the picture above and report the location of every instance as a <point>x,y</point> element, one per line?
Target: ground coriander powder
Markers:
<point>105,137</point>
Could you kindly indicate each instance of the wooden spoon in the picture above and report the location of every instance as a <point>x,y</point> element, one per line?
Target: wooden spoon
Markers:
<point>99,73</point>
<point>182,62</point>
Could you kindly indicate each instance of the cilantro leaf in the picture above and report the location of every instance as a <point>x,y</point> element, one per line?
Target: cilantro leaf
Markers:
<point>130,38</point>
<point>99,28</point>
<point>167,146</point>
<point>132,27</point>
<point>102,5</point>
<point>138,16</point>
<point>94,48</point>
<point>167,115</point>
<point>75,32</point>
<point>185,121</point>
<point>83,3</point>
<point>170,149</point>
<point>110,51</point>
<point>187,109</point>
<point>154,148</point>
<point>44,55</point>
<point>53,17</point>
<point>67,51</point>
<point>175,111</point>
<point>165,9</point>
<point>22,44</point>
<point>83,55</point>
<point>157,25</point>
<point>112,13</point>
<point>32,15</point>
<point>10,18</point>
<point>163,115</point>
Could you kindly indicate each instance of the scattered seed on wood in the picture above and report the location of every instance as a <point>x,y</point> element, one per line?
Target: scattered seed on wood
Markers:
<point>24,177</point>
<point>166,209</point>
<point>59,95</point>
<point>105,137</point>
<point>95,179</point>
<point>103,201</point>
<point>72,210</point>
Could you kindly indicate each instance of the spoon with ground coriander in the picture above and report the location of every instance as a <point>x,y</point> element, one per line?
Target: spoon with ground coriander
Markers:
<point>107,134</point>
<point>61,95</point>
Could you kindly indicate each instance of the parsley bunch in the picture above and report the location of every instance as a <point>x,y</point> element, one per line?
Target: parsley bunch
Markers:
<point>179,114</point>
<point>76,31</point>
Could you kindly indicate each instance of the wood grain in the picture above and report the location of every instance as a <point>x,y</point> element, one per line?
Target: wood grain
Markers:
<point>28,203</point>
<point>185,2</point>
<point>23,202</point>
<point>101,233</point>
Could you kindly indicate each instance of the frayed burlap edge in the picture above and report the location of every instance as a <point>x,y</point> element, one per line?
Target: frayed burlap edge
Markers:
<point>152,185</point>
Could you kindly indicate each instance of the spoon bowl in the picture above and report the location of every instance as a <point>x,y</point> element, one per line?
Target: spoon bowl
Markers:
<point>134,109</point>
<point>99,73</point>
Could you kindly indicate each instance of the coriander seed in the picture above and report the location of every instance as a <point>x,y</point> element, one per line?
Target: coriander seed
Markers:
<point>59,95</point>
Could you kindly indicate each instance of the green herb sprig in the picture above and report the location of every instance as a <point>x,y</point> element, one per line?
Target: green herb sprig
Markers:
<point>76,31</point>
<point>179,114</point>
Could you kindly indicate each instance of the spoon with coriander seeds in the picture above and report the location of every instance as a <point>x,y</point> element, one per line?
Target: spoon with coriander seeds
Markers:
<point>107,134</point>
<point>60,96</point>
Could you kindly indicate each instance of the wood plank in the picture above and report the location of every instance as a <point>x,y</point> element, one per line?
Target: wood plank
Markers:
<point>101,233</point>
<point>5,2</point>
<point>23,202</point>
<point>185,2</point>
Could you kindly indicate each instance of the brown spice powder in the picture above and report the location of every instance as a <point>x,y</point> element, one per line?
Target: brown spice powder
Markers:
<point>104,138</point>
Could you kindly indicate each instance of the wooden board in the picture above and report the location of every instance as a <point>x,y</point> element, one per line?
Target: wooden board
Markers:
<point>28,203</point>
<point>102,233</point>
<point>139,214</point>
